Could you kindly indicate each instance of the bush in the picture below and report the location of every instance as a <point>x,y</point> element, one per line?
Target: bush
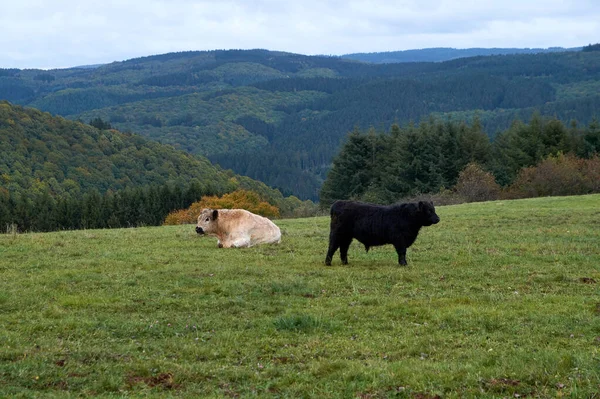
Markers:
<point>558,175</point>
<point>239,199</point>
<point>475,184</point>
<point>293,207</point>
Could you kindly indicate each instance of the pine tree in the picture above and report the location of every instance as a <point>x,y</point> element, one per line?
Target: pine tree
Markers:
<point>350,174</point>
<point>555,138</point>
<point>23,210</point>
<point>44,213</point>
<point>396,181</point>
<point>68,214</point>
<point>474,144</point>
<point>592,139</point>
<point>5,210</point>
<point>91,213</point>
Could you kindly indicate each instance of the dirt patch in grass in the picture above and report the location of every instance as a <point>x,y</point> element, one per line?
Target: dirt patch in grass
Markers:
<point>228,391</point>
<point>504,382</point>
<point>60,385</point>
<point>394,391</point>
<point>284,360</point>
<point>162,380</point>
<point>503,385</point>
<point>425,395</point>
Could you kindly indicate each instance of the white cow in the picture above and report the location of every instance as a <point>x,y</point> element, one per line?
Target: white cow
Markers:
<point>237,228</point>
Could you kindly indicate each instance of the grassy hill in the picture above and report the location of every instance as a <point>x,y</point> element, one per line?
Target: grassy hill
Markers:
<point>499,300</point>
<point>280,117</point>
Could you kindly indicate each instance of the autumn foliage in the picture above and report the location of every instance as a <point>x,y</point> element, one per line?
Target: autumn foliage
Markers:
<point>239,199</point>
<point>557,175</point>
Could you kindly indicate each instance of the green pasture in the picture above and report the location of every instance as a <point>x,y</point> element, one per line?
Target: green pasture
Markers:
<point>499,300</point>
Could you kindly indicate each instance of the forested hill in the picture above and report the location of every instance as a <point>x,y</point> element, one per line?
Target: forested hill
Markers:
<point>281,117</point>
<point>439,54</point>
<point>41,153</point>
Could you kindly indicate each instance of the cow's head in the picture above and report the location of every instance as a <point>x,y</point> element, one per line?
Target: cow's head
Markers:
<point>427,213</point>
<point>207,221</point>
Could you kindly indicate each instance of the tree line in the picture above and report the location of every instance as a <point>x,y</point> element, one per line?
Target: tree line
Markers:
<point>385,167</point>
<point>59,174</point>
<point>133,207</point>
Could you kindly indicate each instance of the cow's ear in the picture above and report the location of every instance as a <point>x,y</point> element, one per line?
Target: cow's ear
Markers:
<point>215,214</point>
<point>421,205</point>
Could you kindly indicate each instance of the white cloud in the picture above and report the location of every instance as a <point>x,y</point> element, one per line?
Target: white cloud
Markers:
<point>63,33</point>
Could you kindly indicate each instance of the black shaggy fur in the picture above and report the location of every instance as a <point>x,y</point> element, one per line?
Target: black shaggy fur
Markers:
<point>375,225</point>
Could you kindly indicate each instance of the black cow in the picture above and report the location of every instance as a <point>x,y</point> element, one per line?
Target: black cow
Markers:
<point>375,225</point>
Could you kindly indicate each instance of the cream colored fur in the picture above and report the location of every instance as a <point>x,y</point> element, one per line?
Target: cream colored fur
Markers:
<point>238,228</point>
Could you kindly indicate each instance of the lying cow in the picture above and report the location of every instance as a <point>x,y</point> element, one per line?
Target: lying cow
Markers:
<point>375,225</point>
<point>237,228</point>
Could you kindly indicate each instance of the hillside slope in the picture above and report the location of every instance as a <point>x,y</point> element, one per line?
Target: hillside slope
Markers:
<point>39,151</point>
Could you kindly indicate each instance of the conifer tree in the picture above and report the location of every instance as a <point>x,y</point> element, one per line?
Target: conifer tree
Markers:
<point>91,213</point>
<point>5,210</point>
<point>592,139</point>
<point>44,213</point>
<point>350,174</point>
<point>555,138</point>
<point>474,144</point>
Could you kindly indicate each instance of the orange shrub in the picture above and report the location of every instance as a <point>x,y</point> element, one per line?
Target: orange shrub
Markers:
<point>239,199</point>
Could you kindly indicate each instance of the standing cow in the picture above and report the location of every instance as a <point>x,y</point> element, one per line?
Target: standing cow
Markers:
<point>237,228</point>
<point>375,225</point>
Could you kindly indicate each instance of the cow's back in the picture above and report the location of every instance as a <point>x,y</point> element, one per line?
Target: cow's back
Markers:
<point>365,222</point>
<point>351,210</point>
<point>263,231</point>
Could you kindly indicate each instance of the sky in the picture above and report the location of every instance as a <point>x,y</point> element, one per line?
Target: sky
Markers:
<point>64,33</point>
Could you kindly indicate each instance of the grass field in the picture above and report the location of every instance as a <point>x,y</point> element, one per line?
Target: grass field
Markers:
<point>500,299</point>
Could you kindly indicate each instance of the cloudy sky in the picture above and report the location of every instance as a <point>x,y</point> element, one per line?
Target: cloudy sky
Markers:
<point>64,33</point>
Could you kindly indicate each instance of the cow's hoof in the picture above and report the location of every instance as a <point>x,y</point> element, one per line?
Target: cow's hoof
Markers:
<point>403,264</point>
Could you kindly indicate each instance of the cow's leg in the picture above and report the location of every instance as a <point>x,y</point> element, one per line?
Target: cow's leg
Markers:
<point>241,242</point>
<point>344,245</point>
<point>401,250</point>
<point>333,246</point>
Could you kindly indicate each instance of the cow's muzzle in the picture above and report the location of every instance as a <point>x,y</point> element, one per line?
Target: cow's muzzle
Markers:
<point>199,230</point>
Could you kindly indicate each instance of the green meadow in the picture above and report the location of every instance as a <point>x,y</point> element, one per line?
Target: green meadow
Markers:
<point>499,300</point>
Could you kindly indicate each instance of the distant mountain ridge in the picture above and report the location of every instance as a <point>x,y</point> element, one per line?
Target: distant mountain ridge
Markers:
<point>440,54</point>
